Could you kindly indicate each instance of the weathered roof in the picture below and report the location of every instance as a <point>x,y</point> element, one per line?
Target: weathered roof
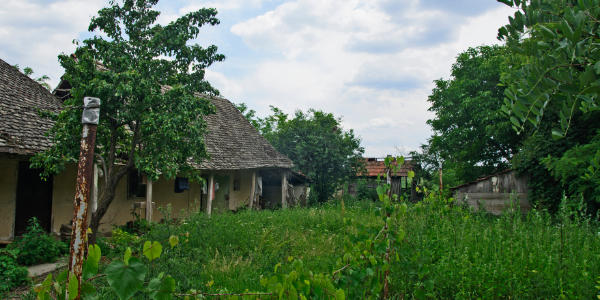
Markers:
<point>481,179</point>
<point>375,167</point>
<point>235,144</point>
<point>21,128</point>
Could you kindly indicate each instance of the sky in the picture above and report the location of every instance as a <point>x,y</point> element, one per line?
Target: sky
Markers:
<point>371,62</point>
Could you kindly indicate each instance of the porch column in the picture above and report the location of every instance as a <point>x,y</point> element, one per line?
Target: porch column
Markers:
<point>94,204</point>
<point>211,182</point>
<point>149,207</point>
<point>283,188</point>
<point>252,190</point>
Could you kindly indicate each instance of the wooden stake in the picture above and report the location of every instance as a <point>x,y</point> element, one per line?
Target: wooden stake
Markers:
<point>211,182</point>
<point>283,189</point>
<point>149,207</point>
<point>252,190</point>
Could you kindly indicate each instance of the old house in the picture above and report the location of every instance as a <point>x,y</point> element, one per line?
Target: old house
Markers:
<point>244,169</point>
<point>494,192</point>
<point>375,167</point>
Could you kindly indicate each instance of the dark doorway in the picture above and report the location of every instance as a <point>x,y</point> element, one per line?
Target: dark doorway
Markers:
<point>34,198</point>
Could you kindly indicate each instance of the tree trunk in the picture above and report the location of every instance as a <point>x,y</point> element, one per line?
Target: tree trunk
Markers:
<point>107,199</point>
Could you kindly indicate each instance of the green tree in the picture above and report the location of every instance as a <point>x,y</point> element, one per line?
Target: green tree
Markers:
<point>143,124</point>
<point>41,80</point>
<point>316,143</point>
<point>559,60</point>
<point>555,78</point>
<point>320,148</point>
<point>265,126</point>
<point>471,135</point>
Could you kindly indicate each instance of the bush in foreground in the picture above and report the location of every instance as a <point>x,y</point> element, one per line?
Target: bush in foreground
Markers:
<point>36,246</point>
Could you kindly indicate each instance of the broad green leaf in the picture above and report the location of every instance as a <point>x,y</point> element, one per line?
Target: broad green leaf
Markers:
<point>173,240</point>
<point>162,289</point>
<point>597,67</point>
<point>591,89</point>
<point>400,235</point>
<point>411,174</point>
<point>401,160</point>
<point>94,253</point>
<point>339,295</point>
<point>566,29</point>
<point>293,293</point>
<point>152,251</point>
<point>62,276</point>
<point>379,190</point>
<point>515,122</point>
<point>127,256</point>
<point>90,269</point>
<point>126,280</point>
<point>557,133</point>
<point>567,88</point>
<point>88,291</point>
<point>547,32</point>
<point>577,33</point>
<point>73,287</point>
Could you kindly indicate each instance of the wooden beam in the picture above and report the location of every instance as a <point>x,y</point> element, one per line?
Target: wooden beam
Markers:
<point>252,190</point>
<point>149,207</point>
<point>211,182</point>
<point>284,188</point>
<point>94,204</point>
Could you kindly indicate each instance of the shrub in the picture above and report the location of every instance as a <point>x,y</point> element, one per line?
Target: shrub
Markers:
<point>363,192</point>
<point>11,274</point>
<point>36,246</point>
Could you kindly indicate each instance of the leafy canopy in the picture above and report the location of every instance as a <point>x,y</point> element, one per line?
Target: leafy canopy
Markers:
<point>555,46</point>
<point>128,68</point>
<point>315,142</point>
<point>555,43</point>
<point>471,135</point>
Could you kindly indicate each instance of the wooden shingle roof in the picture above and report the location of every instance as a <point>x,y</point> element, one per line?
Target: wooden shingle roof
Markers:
<point>22,130</point>
<point>234,143</point>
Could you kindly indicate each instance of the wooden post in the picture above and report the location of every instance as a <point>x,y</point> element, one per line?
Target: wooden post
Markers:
<point>149,207</point>
<point>283,189</point>
<point>94,204</point>
<point>211,182</point>
<point>252,190</point>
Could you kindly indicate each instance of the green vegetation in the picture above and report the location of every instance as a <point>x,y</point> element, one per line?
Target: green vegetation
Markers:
<point>37,246</point>
<point>11,274</point>
<point>449,252</point>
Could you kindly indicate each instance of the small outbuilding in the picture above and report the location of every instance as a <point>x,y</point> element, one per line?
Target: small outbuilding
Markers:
<point>494,192</point>
<point>375,167</point>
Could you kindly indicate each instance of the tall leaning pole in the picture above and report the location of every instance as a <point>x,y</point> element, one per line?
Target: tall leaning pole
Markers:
<point>89,119</point>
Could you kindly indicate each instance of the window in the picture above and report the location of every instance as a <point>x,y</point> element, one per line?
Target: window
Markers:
<point>136,186</point>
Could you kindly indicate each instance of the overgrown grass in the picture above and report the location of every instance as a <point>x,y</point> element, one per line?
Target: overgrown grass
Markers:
<point>465,255</point>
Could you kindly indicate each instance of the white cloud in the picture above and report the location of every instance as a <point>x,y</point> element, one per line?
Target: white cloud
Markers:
<point>355,60</point>
<point>33,33</point>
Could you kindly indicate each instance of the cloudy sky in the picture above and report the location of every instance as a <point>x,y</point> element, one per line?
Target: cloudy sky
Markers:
<point>370,61</point>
